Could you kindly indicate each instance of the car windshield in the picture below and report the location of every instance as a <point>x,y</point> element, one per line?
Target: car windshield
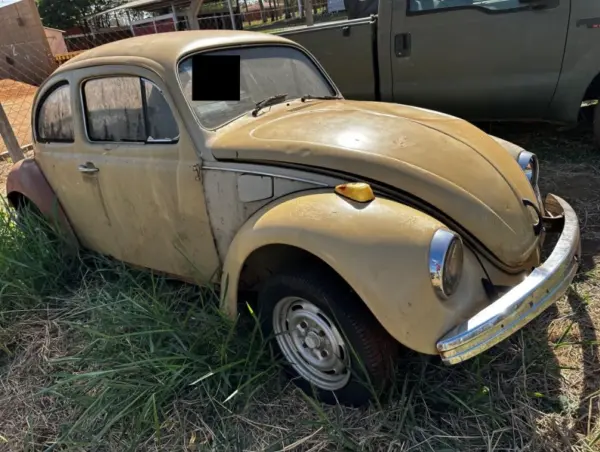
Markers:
<point>264,72</point>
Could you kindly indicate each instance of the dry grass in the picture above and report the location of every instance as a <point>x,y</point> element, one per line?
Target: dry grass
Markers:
<point>538,391</point>
<point>31,344</point>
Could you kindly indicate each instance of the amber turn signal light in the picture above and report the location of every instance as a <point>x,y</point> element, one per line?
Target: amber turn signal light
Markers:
<point>356,191</point>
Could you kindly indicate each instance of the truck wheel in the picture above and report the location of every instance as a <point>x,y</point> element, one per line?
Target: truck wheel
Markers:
<point>596,126</point>
<point>332,346</point>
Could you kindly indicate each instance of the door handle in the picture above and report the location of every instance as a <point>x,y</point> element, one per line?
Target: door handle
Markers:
<point>88,168</point>
<point>402,45</point>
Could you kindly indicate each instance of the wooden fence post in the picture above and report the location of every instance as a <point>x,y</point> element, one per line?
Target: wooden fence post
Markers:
<point>8,135</point>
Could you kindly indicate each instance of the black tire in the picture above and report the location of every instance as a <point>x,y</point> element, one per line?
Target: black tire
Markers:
<point>30,220</point>
<point>364,337</point>
<point>596,126</point>
<point>26,215</point>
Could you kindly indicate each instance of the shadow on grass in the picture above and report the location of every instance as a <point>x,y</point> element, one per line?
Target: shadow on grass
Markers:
<point>588,412</point>
<point>491,402</point>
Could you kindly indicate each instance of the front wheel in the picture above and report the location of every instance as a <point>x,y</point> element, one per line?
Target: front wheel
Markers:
<point>332,345</point>
<point>596,125</point>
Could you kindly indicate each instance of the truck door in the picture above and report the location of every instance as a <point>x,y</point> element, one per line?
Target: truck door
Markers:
<point>346,51</point>
<point>478,59</point>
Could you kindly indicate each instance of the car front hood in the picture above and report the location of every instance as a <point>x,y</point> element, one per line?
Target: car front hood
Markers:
<point>442,160</point>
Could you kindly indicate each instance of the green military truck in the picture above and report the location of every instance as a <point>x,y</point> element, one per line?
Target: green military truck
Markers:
<point>477,59</point>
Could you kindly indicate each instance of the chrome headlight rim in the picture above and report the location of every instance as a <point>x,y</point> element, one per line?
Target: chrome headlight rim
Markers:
<point>530,165</point>
<point>445,246</point>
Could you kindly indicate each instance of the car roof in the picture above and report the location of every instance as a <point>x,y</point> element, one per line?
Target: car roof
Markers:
<point>167,48</point>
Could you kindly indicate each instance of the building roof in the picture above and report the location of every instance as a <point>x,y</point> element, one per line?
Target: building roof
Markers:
<point>167,48</point>
<point>150,5</point>
<point>135,4</point>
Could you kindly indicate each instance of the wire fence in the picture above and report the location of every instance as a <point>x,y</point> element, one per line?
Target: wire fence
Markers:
<point>27,60</point>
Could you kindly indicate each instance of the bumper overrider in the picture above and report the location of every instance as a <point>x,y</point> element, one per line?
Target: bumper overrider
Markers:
<point>546,284</point>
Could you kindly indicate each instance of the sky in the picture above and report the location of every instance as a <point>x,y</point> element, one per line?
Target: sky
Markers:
<point>7,2</point>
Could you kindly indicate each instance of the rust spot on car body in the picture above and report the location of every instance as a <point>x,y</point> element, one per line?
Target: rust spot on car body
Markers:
<point>27,180</point>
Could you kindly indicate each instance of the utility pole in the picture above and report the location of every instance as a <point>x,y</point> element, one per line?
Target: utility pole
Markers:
<point>308,12</point>
<point>192,14</point>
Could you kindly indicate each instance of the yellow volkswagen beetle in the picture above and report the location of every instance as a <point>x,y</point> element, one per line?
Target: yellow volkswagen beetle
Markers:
<point>361,226</point>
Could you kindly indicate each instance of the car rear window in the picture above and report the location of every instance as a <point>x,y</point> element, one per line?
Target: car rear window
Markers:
<point>54,122</point>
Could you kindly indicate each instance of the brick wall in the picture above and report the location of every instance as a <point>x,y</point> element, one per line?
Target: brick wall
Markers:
<point>24,51</point>
<point>56,41</point>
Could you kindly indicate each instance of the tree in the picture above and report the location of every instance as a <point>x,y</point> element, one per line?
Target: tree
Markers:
<point>247,15</point>
<point>261,5</point>
<point>287,9</point>
<point>271,10</point>
<point>63,14</point>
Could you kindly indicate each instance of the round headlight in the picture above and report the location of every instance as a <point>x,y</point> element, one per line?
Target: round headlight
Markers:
<point>530,166</point>
<point>445,262</point>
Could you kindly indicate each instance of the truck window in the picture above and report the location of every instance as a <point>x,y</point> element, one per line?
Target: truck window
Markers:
<point>264,71</point>
<point>415,6</point>
<point>54,122</point>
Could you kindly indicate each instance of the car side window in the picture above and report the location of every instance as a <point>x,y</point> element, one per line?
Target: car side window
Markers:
<point>161,122</point>
<point>415,6</point>
<point>54,122</point>
<point>127,109</point>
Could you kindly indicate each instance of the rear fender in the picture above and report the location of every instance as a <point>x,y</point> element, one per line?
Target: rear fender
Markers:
<point>381,249</point>
<point>27,180</point>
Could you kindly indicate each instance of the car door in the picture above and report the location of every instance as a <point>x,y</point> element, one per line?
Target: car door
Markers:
<point>57,135</point>
<point>480,59</point>
<point>345,49</point>
<point>146,167</point>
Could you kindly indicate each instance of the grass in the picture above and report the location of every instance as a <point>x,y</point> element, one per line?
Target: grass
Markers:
<point>97,356</point>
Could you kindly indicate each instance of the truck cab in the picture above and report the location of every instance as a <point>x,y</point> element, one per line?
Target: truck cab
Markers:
<point>476,59</point>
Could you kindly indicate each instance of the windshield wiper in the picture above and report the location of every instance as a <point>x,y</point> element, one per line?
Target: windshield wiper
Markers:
<point>308,96</point>
<point>271,100</point>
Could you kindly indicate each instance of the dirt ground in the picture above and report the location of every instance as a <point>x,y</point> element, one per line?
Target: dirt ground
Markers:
<point>5,166</point>
<point>17,98</point>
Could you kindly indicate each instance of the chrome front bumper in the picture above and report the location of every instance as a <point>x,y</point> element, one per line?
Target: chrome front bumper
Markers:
<point>546,284</point>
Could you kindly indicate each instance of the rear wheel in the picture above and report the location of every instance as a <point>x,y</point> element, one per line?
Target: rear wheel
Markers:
<point>25,213</point>
<point>332,346</point>
<point>30,220</point>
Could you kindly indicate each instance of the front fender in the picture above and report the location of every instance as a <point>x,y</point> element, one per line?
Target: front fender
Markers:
<point>26,179</point>
<point>381,250</point>
<point>513,149</point>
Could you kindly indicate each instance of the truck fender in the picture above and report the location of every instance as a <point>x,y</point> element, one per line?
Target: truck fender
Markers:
<point>27,180</point>
<point>381,250</point>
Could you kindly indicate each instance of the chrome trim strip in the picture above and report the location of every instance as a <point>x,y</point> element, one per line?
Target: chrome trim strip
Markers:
<point>249,170</point>
<point>546,284</point>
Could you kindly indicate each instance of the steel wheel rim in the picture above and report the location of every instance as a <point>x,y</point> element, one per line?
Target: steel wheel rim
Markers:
<point>311,343</point>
